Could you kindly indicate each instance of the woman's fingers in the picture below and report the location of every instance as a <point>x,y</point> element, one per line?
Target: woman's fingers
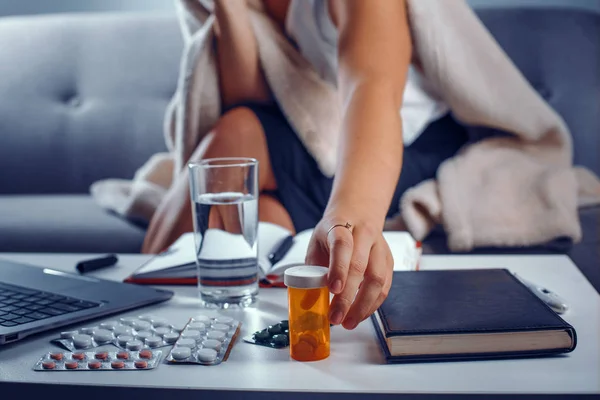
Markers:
<point>375,286</point>
<point>347,275</point>
<point>341,244</point>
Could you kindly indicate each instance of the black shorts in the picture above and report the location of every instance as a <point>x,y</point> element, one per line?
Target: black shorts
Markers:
<point>303,189</point>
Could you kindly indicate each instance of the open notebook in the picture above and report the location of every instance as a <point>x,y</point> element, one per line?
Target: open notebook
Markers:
<point>177,265</point>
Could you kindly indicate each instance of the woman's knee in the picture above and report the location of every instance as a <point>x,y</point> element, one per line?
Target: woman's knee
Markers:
<point>240,126</point>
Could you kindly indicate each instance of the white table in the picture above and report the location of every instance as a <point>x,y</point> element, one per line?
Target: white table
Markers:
<point>356,363</point>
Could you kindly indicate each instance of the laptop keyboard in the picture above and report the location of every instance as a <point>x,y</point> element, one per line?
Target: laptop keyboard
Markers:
<point>19,305</point>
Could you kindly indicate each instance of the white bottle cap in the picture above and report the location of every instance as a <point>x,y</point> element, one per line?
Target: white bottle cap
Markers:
<point>306,277</point>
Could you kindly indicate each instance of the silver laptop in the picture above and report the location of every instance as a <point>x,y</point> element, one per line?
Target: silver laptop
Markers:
<point>34,300</point>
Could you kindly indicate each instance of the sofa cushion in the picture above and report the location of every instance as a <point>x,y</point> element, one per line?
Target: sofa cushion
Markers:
<point>82,97</point>
<point>63,223</point>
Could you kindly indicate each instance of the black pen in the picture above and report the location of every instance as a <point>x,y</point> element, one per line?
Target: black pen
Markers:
<point>281,251</point>
<point>96,263</point>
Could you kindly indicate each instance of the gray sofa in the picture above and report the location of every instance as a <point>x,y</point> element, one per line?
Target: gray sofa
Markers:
<point>82,98</point>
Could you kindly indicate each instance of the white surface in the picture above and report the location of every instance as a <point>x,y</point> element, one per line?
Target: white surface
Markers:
<point>356,363</point>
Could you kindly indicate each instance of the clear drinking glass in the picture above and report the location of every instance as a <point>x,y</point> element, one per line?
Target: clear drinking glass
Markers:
<point>224,194</point>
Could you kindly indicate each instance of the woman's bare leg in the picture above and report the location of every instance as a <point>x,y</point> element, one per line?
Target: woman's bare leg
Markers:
<point>237,134</point>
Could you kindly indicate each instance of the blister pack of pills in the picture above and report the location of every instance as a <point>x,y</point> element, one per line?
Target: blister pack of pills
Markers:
<point>99,361</point>
<point>129,333</point>
<point>205,341</point>
<point>275,336</point>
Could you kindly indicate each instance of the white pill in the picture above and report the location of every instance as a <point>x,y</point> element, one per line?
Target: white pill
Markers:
<point>89,330</point>
<point>153,341</point>
<point>162,330</point>
<point>82,341</point>
<point>68,334</point>
<point>181,353</point>
<point>212,344</point>
<point>171,337</point>
<point>221,327</point>
<point>147,317</point>
<point>185,342</point>
<point>217,335</point>
<point>122,330</point>
<point>201,318</point>
<point>191,334</point>
<point>225,320</point>
<point>142,325</point>
<point>143,335</point>
<point>103,336</point>
<point>197,326</point>
<point>158,322</point>
<point>128,320</point>
<point>207,355</point>
<point>110,325</point>
<point>134,345</point>
<point>123,339</point>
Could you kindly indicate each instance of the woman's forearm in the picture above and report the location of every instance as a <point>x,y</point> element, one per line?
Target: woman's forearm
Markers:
<point>374,56</point>
<point>240,75</point>
<point>370,156</point>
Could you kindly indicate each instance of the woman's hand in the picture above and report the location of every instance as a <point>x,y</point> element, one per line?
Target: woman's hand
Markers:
<point>374,57</point>
<point>360,267</point>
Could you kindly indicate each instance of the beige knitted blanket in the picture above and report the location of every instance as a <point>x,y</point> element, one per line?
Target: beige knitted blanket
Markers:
<point>518,190</point>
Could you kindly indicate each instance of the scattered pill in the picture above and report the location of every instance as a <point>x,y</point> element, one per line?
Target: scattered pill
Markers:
<point>128,320</point>
<point>94,365</point>
<point>207,355</point>
<point>82,341</point>
<point>147,354</point>
<point>197,326</point>
<point>124,339</point>
<point>212,344</point>
<point>153,341</point>
<point>134,345</point>
<point>102,336</point>
<point>262,336</point>
<point>122,330</point>
<point>221,327</point>
<point>181,353</point>
<point>159,322</point>
<point>162,330</point>
<point>68,335</point>
<point>225,320</point>
<point>110,325</point>
<point>217,335</point>
<point>89,330</point>
<point>186,342</point>
<point>275,330</point>
<point>280,341</point>
<point>201,318</point>
<point>191,334</point>
<point>141,335</point>
<point>147,317</point>
<point>48,365</point>
<point>171,337</point>
<point>141,325</point>
<point>71,365</point>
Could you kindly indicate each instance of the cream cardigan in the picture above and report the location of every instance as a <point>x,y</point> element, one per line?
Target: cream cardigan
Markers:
<point>518,190</point>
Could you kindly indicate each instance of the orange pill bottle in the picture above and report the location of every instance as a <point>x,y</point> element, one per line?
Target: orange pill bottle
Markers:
<point>308,309</point>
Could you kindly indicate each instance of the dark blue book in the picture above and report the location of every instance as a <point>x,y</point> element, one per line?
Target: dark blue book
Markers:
<point>447,315</point>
